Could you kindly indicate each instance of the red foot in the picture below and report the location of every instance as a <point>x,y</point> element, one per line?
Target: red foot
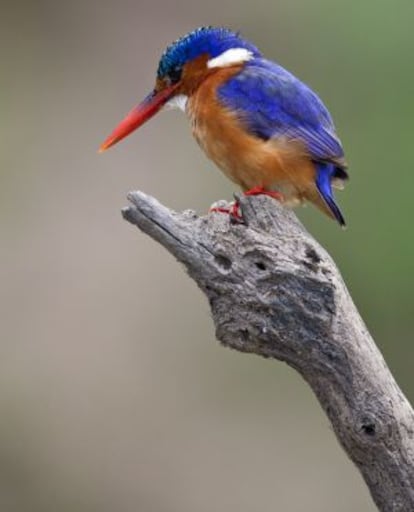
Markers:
<point>219,209</point>
<point>233,211</point>
<point>257,191</point>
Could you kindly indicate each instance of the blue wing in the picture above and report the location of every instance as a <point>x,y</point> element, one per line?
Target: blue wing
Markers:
<point>273,103</point>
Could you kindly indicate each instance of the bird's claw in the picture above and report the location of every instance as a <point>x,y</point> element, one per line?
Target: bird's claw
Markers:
<point>233,211</point>
<point>261,191</point>
<point>235,214</point>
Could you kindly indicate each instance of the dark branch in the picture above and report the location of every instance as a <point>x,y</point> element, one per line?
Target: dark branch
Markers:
<point>274,291</point>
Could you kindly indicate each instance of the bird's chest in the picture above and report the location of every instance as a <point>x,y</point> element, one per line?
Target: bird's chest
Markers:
<point>246,159</point>
<point>223,139</point>
<point>212,130</point>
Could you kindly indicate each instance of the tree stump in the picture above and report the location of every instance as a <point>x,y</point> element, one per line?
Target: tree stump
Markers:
<point>274,291</point>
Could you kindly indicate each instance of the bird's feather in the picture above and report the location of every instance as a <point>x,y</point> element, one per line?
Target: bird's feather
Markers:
<point>272,103</point>
<point>324,175</point>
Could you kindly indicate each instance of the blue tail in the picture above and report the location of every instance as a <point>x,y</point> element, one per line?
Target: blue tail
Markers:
<point>325,173</point>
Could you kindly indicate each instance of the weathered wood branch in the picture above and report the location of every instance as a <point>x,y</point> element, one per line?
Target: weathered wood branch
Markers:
<point>274,291</point>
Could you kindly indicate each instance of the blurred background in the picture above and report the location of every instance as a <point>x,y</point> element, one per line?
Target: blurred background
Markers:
<point>114,394</point>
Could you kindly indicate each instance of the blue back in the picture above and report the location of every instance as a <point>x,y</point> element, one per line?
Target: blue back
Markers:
<point>272,103</point>
<point>205,40</point>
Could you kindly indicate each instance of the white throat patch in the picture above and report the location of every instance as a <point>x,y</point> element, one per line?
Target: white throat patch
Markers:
<point>177,102</point>
<point>230,57</point>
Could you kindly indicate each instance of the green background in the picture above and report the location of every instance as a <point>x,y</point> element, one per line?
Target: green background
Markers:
<point>114,394</point>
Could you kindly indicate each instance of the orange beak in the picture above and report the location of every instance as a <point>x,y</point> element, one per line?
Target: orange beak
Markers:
<point>139,115</point>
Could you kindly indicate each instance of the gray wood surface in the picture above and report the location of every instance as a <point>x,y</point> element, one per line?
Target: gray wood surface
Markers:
<point>274,291</point>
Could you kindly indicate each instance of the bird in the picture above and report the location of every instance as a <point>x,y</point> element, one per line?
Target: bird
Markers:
<point>268,131</point>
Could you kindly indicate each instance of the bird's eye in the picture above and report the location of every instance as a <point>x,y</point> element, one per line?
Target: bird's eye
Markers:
<point>175,75</point>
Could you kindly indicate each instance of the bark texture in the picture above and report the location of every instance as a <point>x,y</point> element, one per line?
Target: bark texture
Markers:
<point>274,291</point>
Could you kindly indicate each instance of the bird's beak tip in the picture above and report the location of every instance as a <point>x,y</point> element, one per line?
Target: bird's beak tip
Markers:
<point>109,142</point>
<point>139,115</point>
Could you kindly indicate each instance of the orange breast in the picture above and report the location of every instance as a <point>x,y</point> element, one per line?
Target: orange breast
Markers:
<point>247,160</point>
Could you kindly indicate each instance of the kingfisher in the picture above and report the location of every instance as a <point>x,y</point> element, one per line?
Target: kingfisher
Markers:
<point>263,127</point>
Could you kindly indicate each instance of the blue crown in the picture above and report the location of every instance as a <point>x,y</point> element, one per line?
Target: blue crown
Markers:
<point>204,40</point>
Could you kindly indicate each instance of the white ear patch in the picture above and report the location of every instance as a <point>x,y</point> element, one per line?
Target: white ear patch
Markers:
<point>177,102</point>
<point>230,57</point>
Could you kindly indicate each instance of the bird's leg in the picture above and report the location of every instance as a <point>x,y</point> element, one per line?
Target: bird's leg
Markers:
<point>235,213</point>
<point>234,210</point>
<point>220,209</point>
<point>257,191</point>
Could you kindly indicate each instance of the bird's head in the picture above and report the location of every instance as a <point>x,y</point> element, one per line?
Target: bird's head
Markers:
<point>182,68</point>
